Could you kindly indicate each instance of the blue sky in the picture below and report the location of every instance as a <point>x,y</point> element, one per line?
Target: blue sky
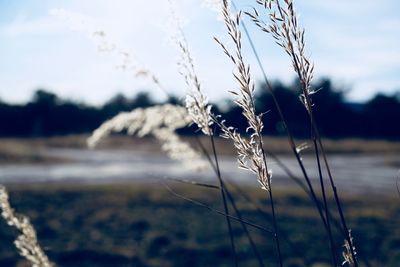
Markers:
<point>354,42</point>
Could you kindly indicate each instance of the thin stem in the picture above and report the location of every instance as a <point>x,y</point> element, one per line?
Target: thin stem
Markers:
<point>397,185</point>
<point>333,186</point>
<point>253,245</point>
<point>275,227</point>
<point>228,222</point>
<point>263,213</point>
<point>321,180</point>
<point>198,203</point>
<point>305,189</point>
<point>289,173</point>
<point>184,181</point>
<point>272,204</point>
<point>231,199</point>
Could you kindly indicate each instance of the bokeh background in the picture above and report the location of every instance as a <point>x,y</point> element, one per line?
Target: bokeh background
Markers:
<point>68,66</point>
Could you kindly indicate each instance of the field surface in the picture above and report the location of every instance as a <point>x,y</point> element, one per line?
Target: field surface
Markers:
<point>146,225</point>
<point>112,207</point>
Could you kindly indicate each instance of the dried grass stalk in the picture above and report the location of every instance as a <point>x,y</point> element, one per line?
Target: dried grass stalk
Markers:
<point>196,102</point>
<point>26,243</point>
<point>284,28</point>
<point>159,121</point>
<point>347,255</point>
<point>251,155</point>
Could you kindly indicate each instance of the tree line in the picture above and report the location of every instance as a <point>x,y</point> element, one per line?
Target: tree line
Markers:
<point>46,114</point>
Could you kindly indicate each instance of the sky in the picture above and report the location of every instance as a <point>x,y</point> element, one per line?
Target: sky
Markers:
<point>353,42</point>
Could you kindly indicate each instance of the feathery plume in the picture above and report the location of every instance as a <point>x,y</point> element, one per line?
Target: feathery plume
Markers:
<point>348,258</point>
<point>159,121</point>
<point>178,149</point>
<point>287,33</point>
<point>251,155</point>
<point>196,102</point>
<point>26,243</point>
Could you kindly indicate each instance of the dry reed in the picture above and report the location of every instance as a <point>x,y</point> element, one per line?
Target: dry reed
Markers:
<point>26,243</point>
<point>250,152</point>
<point>287,33</point>
<point>195,101</point>
<point>253,150</point>
<point>161,122</point>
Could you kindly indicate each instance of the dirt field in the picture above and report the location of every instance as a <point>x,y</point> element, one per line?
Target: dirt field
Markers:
<point>145,225</point>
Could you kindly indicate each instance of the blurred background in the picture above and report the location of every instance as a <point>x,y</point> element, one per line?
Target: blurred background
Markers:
<point>68,66</point>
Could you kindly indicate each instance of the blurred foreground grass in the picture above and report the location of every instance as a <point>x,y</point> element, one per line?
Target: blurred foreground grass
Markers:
<point>145,225</point>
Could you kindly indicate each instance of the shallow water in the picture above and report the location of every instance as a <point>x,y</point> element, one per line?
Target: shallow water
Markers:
<point>353,173</point>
